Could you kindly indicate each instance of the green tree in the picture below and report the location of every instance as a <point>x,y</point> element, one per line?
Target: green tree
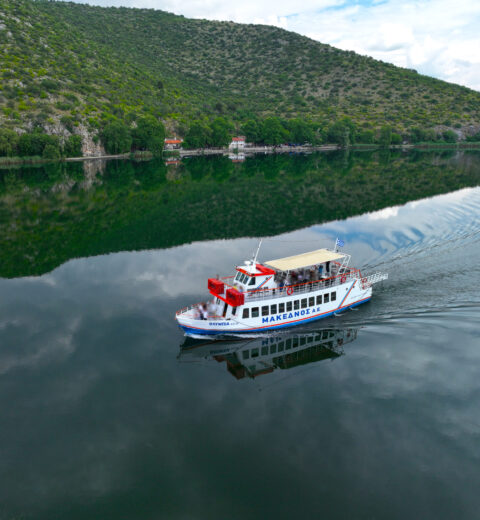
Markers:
<point>430,135</point>
<point>385,137</point>
<point>366,137</point>
<point>198,136</point>
<point>300,131</point>
<point>51,151</point>
<point>252,131</point>
<point>342,132</point>
<point>396,138</point>
<point>33,144</point>
<point>449,136</point>
<point>73,146</point>
<point>8,142</point>
<point>149,135</point>
<point>273,132</point>
<point>221,132</point>
<point>417,135</point>
<point>116,137</point>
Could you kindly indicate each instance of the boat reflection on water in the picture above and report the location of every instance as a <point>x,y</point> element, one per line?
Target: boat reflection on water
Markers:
<point>261,355</point>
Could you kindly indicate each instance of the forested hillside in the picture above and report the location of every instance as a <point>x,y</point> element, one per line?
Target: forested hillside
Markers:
<point>71,68</point>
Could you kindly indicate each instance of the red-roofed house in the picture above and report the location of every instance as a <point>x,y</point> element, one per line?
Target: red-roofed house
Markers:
<point>172,143</point>
<point>237,142</point>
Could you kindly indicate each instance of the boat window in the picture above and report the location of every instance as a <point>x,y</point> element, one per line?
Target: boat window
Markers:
<point>281,307</point>
<point>326,297</point>
<point>273,349</point>
<point>311,301</point>
<point>273,309</point>
<point>304,303</point>
<point>239,274</point>
<point>303,340</point>
<point>246,354</point>
<point>295,343</point>
<point>254,312</point>
<point>246,313</point>
<point>288,344</point>
<point>289,306</point>
<point>264,351</point>
<point>234,311</point>
<point>254,352</point>
<point>252,280</point>
<point>244,278</point>
<point>296,305</point>
<point>265,310</point>
<point>319,299</point>
<point>334,296</point>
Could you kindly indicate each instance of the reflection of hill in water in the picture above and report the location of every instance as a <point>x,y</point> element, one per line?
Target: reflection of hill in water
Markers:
<point>262,355</point>
<point>57,212</point>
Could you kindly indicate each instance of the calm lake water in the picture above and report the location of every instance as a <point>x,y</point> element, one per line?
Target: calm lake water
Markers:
<point>108,411</point>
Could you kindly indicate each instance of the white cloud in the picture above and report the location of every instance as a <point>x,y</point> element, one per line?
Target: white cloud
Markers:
<point>435,37</point>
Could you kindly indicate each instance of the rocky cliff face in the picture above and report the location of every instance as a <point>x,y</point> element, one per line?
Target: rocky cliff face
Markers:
<point>89,147</point>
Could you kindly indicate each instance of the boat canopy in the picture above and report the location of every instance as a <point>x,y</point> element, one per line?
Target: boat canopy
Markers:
<point>304,260</point>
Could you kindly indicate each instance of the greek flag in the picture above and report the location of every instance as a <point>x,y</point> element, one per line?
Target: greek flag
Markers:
<point>339,243</point>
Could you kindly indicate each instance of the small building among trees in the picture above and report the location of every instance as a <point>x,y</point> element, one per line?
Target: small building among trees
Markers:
<point>237,143</point>
<point>173,143</point>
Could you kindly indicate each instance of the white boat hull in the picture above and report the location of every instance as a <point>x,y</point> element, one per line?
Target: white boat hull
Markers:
<point>347,295</point>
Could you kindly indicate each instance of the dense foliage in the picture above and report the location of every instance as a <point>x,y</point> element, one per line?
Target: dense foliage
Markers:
<point>38,144</point>
<point>55,212</point>
<point>84,68</point>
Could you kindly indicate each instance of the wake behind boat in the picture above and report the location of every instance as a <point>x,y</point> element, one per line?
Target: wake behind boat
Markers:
<point>279,293</point>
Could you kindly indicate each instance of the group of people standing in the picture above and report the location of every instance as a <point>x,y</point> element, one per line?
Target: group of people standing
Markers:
<point>299,276</point>
<point>205,310</point>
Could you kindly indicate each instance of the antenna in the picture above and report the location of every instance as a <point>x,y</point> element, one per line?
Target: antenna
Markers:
<point>256,254</point>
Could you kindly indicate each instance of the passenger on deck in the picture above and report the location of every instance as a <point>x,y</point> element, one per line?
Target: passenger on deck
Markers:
<point>211,309</point>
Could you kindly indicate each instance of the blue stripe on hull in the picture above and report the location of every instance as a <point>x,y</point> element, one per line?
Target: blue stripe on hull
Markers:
<point>192,330</point>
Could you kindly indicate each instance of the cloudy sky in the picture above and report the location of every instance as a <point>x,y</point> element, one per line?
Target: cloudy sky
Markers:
<point>439,38</point>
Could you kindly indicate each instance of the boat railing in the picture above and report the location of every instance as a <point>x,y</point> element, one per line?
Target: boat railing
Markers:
<point>197,307</point>
<point>302,288</point>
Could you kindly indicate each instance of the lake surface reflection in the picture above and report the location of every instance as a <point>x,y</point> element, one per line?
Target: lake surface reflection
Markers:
<point>108,411</point>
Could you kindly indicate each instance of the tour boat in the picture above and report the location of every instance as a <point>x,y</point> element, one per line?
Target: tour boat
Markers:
<point>279,293</point>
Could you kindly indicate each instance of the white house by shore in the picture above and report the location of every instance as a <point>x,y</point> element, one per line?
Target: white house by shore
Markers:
<point>237,143</point>
<point>172,143</point>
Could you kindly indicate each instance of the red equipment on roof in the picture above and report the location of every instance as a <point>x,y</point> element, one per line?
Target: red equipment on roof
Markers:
<point>215,286</point>
<point>235,298</point>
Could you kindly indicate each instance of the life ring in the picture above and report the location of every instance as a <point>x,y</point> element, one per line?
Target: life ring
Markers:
<point>290,291</point>
<point>343,279</point>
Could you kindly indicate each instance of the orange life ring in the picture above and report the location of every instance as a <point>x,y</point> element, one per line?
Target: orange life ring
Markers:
<point>290,291</point>
<point>343,279</point>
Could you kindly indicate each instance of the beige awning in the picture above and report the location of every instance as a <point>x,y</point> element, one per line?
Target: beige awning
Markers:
<point>304,260</point>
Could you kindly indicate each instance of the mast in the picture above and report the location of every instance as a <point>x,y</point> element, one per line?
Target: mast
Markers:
<point>256,254</point>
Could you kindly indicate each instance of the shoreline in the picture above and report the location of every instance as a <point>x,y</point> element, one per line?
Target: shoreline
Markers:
<point>253,150</point>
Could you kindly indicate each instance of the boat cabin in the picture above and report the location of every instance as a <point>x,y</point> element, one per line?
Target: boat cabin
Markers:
<point>252,277</point>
